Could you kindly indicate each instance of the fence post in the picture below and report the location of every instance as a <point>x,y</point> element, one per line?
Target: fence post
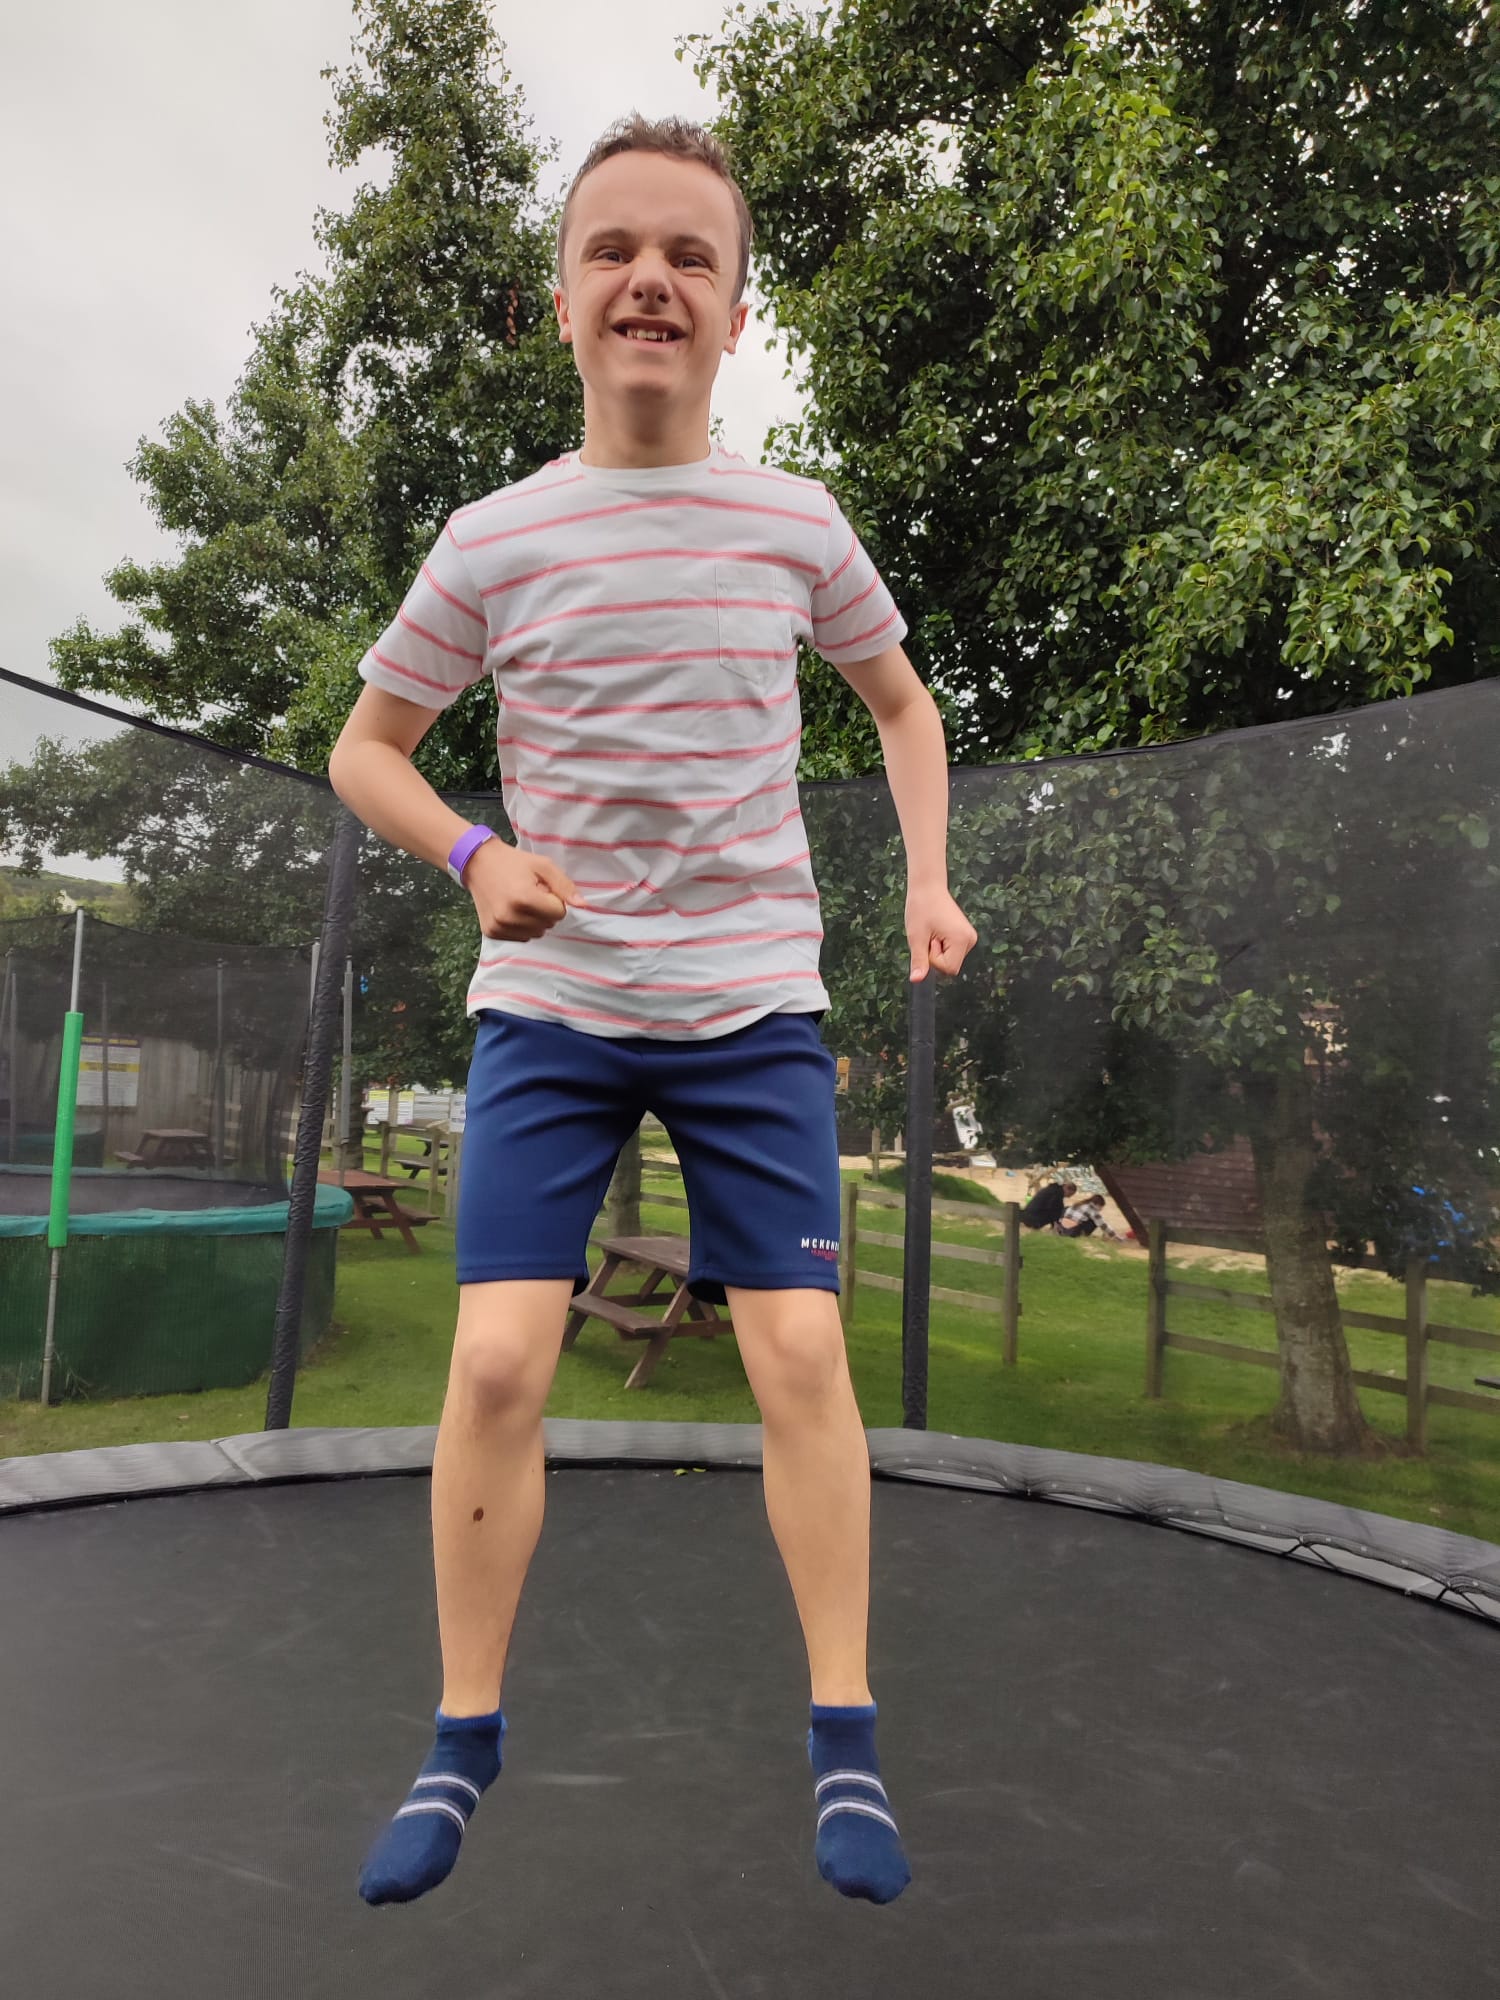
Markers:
<point>455,1167</point>
<point>1156,1307</point>
<point>1010,1305</point>
<point>874,1152</point>
<point>1417,1354</point>
<point>847,1253</point>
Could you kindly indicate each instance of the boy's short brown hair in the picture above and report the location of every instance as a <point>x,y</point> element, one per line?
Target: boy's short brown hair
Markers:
<point>679,139</point>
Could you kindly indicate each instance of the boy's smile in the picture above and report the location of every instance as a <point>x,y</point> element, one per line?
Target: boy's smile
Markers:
<point>651,262</point>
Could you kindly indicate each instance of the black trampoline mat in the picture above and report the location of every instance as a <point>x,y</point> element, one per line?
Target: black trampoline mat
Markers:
<point>121,1194</point>
<point>1126,1761</point>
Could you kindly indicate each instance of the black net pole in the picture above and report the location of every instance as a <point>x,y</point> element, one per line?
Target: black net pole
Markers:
<point>322,1032</point>
<point>917,1267</point>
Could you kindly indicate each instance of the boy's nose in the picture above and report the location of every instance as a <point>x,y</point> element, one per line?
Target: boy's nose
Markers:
<point>651,279</point>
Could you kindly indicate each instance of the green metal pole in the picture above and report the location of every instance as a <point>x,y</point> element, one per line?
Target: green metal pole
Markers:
<point>62,1149</point>
<point>62,1158</point>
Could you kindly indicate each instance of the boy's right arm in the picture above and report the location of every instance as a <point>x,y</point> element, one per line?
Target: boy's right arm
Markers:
<point>516,895</point>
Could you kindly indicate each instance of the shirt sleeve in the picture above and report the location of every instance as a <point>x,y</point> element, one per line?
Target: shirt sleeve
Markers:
<point>436,644</point>
<point>854,616</point>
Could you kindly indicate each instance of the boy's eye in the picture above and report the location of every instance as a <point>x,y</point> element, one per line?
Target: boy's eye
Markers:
<point>610,253</point>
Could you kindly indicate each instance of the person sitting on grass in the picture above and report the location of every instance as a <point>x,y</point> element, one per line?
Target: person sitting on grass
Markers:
<point>1084,1218</point>
<point>649,942</point>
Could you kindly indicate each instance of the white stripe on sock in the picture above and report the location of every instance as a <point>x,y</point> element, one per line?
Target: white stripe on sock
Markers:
<point>856,1806</point>
<point>850,1778</point>
<point>434,1806</point>
<point>462,1784</point>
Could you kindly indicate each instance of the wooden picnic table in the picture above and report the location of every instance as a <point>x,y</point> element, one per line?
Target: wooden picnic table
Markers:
<point>171,1146</point>
<point>375,1205</point>
<point>663,1258</point>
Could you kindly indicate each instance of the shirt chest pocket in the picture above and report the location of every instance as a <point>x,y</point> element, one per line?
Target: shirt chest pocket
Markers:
<point>757,638</point>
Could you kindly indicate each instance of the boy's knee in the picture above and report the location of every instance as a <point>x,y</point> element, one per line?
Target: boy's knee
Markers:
<point>505,1352</point>
<point>495,1376</point>
<point>792,1346</point>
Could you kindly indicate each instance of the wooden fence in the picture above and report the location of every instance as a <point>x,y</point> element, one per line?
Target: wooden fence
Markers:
<point>1007,1305</point>
<point>1416,1328</point>
<point>1009,1260</point>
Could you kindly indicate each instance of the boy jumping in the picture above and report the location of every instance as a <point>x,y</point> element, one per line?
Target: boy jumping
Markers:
<point>649,944</point>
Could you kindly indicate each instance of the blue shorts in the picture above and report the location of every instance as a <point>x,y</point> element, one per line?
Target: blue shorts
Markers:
<point>750,1116</point>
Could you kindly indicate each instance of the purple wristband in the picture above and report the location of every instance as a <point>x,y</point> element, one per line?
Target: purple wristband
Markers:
<point>463,850</point>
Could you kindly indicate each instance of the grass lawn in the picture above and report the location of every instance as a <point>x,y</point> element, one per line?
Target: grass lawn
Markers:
<point>1078,1385</point>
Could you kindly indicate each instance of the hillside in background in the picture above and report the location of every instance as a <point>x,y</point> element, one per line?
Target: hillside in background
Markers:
<point>22,894</point>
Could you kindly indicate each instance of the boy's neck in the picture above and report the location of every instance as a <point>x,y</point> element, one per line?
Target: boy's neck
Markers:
<point>612,440</point>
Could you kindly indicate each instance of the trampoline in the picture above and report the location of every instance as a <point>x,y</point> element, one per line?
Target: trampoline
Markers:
<point>169,1280</point>
<point>1125,1762</point>
<point>26,1191</point>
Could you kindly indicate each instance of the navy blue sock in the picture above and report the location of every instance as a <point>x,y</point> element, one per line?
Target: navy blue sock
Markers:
<point>858,1845</point>
<point>421,1844</point>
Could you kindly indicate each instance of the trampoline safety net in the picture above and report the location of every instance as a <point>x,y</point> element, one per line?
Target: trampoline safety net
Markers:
<point>1244,988</point>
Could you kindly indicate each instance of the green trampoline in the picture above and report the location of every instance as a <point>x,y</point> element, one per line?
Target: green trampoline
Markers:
<point>153,1300</point>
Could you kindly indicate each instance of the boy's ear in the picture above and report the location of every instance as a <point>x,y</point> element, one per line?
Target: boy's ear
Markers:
<point>737,318</point>
<point>564,318</point>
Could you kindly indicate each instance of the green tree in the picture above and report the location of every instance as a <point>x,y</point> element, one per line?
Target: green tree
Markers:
<point>419,370</point>
<point>1154,347</point>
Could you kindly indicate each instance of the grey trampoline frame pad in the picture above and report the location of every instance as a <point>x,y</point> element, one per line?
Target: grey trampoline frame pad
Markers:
<point>1457,1571</point>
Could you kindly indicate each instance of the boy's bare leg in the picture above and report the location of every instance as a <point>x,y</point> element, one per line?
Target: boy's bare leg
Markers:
<point>488,1480</point>
<point>817,1481</point>
<point>817,1475</point>
<point>489,1477</point>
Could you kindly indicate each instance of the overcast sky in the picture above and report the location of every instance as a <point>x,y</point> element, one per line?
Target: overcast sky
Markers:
<point>166,159</point>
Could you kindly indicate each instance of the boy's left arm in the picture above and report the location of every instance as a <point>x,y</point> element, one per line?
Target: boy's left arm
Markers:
<point>916,765</point>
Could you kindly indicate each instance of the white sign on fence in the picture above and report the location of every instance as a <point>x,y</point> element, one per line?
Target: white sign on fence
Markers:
<point>124,1071</point>
<point>415,1107</point>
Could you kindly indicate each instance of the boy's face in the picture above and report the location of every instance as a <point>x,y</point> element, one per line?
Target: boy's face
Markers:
<point>652,248</point>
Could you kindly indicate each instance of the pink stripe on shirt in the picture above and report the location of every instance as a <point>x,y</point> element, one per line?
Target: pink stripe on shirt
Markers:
<point>525,491</point>
<point>735,938</point>
<point>411,674</point>
<point>578,708</point>
<point>443,645</point>
<point>829,617</point>
<point>642,607</point>
<point>834,574</point>
<point>648,756</point>
<point>647,804</point>
<point>860,638</point>
<point>448,598</point>
<point>642,985</point>
<point>539,837</point>
<point>647,659</point>
<point>648,555</point>
<point>689,500</point>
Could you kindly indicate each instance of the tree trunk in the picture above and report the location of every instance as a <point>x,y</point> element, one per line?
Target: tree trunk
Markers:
<point>622,1205</point>
<point>1318,1409</point>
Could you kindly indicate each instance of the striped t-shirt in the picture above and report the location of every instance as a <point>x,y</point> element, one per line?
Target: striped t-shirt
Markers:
<point>641,627</point>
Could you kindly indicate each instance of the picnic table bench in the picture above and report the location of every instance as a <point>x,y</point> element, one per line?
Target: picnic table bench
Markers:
<point>166,1146</point>
<point>375,1205</point>
<point>662,1258</point>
